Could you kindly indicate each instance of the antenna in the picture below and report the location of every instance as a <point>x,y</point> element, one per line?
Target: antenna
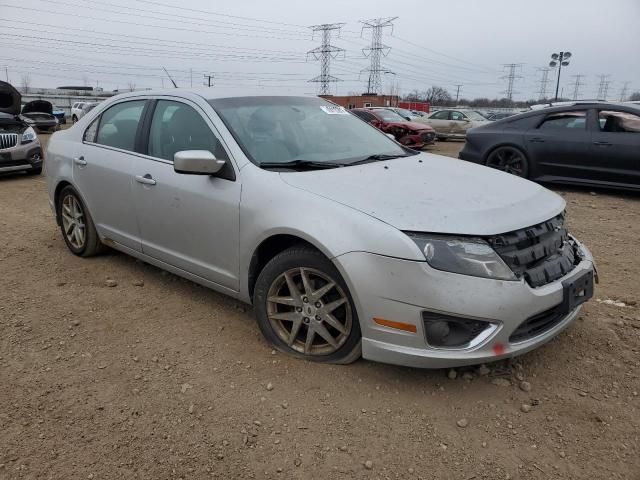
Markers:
<point>174,83</point>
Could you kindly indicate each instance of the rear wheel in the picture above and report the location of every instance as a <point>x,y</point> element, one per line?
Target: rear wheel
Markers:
<point>509,160</point>
<point>304,308</point>
<point>76,224</point>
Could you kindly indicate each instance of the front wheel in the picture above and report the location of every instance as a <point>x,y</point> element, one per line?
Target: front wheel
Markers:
<point>76,224</point>
<point>509,160</point>
<point>304,308</point>
<point>74,119</point>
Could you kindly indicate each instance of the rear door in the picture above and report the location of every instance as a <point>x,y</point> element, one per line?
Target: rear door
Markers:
<point>559,145</point>
<point>615,147</point>
<point>102,167</point>
<point>189,221</point>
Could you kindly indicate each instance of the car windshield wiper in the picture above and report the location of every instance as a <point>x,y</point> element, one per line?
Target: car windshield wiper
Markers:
<point>379,157</point>
<point>300,164</point>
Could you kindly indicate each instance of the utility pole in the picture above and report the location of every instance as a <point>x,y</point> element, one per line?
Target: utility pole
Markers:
<point>6,72</point>
<point>458,87</point>
<point>623,91</point>
<point>511,78</point>
<point>325,52</point>
<point>208,79</point>
<point>576,85</point>
<point>603,87</point>
<point>542,93</point>
<point>560,60</point>
<point>376,51</point>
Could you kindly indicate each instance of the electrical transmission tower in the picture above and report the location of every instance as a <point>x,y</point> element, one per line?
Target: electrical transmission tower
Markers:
<point>603,87</point>
<point>376,51</point>
<point>542,93</point>
<point>623,91</point>
<point>325,53</point>
<point>458,87</point>
<point>576,85</point>
<point>511,78</point>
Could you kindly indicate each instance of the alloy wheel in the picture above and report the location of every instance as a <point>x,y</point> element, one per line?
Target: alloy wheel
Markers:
<point>309,311</point>
<point>73,221</point>
<point>508,160</point>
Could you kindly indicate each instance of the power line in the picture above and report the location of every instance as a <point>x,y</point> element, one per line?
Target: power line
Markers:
<point>325,53</point>
<point>511,78</point>
<point>577,84</point>
<point>376,51</point>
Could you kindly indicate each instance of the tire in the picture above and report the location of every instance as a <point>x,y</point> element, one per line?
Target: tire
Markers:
<point>509,159</point>
<point>74,119</point>
<point>75,217</point>
<point>298,317</point>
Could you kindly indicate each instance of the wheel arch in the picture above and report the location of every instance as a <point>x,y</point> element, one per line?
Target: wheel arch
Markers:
<point>269,248</point>
<point>505,144</point>
<point>56,197</point>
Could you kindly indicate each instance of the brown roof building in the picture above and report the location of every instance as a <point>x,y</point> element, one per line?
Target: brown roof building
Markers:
<point>363,101</point>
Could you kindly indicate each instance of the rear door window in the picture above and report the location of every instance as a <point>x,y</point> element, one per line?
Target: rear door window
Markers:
<point>119,124</point>
<point>457,116</point>
<point>575,120</point>
<point>618,122</point>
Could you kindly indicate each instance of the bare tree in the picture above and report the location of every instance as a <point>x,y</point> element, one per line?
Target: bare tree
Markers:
<point>437,96</point>
<point>132,86</point>
<point>25,82</point>
<point>635,97</point>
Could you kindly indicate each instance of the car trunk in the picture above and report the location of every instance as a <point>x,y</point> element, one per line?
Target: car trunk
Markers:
<point>38,107</point>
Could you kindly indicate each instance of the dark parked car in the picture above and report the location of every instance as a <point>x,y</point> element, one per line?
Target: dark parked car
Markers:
<point>411,134</point>
<point>585,143</point>
<point>19,145</point>
<point>40,114</point>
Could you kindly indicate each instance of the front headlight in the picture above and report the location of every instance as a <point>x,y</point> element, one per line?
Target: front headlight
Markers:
<point>28,135</point>
<point>468,256</point>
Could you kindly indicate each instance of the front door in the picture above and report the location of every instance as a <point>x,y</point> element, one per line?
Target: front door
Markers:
<point>102,166</point>
<point>188,221</point>
<point>459,123</point>
<point>440,122</point>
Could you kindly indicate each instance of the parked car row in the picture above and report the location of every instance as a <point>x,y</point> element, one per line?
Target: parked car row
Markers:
<point>408,133</point>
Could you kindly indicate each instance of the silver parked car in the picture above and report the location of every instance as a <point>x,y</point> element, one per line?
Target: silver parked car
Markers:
<point>453,123</point>
<point>345,242</point>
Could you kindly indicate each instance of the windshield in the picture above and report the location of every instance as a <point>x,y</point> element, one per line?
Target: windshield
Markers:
<point>405,113</point>
<point>389,115</point>
<point>474,115</point>
<point>286,129</point>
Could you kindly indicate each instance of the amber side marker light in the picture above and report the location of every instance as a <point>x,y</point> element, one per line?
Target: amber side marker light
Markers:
<point>407,327</point>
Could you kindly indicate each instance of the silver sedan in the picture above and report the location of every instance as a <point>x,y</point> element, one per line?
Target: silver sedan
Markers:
<point>345,242</point>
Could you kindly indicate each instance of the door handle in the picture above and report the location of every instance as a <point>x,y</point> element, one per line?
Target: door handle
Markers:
<point>536,140</point>
<point>80,161</point>
<point>146,180</point>
<point>602,144</point>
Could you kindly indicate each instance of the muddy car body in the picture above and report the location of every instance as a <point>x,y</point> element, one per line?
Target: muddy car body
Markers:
<point>19,145</point>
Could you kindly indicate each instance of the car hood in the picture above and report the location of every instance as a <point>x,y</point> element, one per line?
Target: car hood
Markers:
<point>431,193</point>
<point>38,106</point>
<point>10,99</point>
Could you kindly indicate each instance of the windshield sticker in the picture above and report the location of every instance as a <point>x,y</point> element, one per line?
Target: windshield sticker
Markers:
<point>334,110</point>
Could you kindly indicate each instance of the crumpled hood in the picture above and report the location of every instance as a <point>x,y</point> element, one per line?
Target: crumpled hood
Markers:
<point>431,193</point>
<point>412,125</point>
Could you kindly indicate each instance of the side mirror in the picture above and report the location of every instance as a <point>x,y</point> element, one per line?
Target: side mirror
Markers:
<point>197,162</point>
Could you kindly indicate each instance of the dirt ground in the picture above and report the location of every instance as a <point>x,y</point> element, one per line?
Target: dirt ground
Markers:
<point>172,381</point>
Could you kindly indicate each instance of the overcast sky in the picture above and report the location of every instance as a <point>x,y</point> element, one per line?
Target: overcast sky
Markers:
<point>253,46</point>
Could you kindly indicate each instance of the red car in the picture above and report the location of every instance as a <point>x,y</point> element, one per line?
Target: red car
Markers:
<point>411,134</point>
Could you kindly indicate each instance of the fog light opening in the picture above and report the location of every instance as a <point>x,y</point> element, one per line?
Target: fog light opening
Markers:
<point>446,331</point>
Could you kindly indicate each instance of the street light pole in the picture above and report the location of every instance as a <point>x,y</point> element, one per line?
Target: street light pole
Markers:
<point>561,60</point>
